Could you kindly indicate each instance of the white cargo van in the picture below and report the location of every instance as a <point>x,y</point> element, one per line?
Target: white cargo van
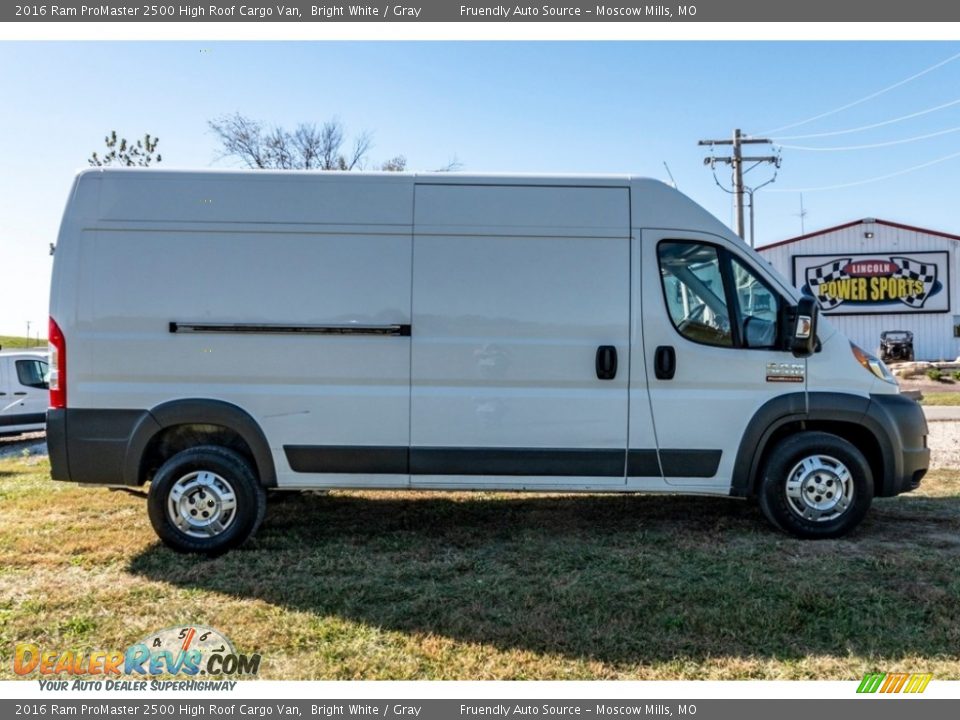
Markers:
<point>217,334</point>
<point>23,391</point>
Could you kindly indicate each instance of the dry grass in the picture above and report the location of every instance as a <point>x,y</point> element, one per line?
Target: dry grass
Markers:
<point>467,586</point>
<point>940,398</point>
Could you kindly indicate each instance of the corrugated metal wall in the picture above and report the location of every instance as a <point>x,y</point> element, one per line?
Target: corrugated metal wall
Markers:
<point>933,333</point>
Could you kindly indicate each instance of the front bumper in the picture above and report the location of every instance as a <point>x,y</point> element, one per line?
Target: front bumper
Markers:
<point>905,427</point>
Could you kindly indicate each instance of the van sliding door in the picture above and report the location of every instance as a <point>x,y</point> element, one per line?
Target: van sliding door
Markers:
<point>520,340</point>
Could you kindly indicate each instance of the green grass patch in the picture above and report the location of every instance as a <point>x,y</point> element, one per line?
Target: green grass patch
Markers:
<point>405,585</point>
<point>12,342</point>
<point>940,398</point>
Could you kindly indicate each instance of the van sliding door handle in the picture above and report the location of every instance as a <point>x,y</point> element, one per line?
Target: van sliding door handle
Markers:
<point>665,362</point>
<point>606,362</point>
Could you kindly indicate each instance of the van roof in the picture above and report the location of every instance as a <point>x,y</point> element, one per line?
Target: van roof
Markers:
<point>141,194</point>
<point>432,177</point>
<point>30,352</point>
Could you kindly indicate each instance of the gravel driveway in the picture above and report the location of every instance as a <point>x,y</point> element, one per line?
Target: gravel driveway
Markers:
<point>34,443</point>
<point>944,442</point>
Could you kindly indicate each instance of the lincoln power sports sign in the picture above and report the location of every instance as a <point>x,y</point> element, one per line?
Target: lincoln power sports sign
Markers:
<point>855,284</point>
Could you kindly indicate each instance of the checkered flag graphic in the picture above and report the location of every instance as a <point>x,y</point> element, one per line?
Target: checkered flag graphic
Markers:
<point>913,270</point>
<point>817,276</point>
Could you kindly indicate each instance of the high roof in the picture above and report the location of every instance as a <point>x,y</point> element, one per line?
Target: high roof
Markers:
<point>864,221</point>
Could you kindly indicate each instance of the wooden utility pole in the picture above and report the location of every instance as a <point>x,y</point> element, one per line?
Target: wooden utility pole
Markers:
<point>736,161</point>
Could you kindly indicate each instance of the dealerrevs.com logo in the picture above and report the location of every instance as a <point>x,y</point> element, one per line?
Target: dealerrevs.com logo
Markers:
<point>189,650</point>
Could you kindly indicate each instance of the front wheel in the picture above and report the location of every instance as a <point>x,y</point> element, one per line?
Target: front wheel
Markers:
<point>206,499</point>
<point>816,485</point>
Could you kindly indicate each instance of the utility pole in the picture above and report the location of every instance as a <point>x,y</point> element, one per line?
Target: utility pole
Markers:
<point>736,161</point>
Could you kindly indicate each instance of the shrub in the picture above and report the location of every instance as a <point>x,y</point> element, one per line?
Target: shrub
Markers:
<point>934,374</point>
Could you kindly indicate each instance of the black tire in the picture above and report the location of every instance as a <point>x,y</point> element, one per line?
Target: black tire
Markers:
<point>819,501</point>
<point>204,479</point>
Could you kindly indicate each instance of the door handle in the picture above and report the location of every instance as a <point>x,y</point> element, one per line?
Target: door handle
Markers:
<point>606,362</point>
<point>665,362</point>
<point>19,393</point>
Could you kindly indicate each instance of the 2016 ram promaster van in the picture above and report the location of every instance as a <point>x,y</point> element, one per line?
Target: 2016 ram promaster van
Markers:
<point>217,334</point>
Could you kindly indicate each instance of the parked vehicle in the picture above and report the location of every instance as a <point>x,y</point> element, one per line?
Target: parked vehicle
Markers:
<point>23,391</point>
<point>896,346</point>
<point>217,334</point>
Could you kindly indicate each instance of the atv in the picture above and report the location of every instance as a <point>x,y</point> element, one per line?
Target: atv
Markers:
<point>896,346</point>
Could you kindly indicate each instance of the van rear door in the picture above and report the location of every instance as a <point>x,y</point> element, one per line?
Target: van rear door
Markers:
<point>520,353</point>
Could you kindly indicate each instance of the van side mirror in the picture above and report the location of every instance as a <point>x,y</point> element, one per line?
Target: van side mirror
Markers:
<point>803,338</point>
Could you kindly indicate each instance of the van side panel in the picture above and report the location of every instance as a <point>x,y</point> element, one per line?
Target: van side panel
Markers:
<point>515,289</point>
<point>317,381</point>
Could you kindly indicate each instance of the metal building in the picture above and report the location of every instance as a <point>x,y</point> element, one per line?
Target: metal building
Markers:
<point>874,275</point>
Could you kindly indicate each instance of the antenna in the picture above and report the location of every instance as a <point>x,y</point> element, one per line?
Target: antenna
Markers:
<point>674,182</point>
<point>802,214</point>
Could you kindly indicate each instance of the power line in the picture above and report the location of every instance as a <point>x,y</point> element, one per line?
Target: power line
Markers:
<point>888,143</point>
<point>864,99</point>
<point>867,181</point>
<point>872,126</point>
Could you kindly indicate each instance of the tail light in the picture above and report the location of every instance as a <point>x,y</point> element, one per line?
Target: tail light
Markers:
<point>58,366</point>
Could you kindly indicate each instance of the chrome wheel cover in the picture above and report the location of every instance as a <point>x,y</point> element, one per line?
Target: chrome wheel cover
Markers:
<point>819,488</point>
<point>202,504</point>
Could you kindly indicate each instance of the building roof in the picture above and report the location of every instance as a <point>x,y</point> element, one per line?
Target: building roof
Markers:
<point>864,221</point>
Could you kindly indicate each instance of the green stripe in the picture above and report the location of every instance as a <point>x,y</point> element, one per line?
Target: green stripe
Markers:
<point>871,682</point>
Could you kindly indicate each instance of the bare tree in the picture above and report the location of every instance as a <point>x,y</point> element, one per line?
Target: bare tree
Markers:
<point>452,165</point>
<point>306,147</point>
<point>122,152</point>
<point>395,164</point>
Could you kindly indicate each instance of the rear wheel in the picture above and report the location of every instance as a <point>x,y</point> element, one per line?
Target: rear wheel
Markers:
<point>816,485</point>
<point>206,499</point>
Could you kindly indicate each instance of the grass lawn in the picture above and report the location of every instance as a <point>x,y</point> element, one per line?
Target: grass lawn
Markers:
<point>11,342</point>
<point>474,586</point>
<point>940,398</point>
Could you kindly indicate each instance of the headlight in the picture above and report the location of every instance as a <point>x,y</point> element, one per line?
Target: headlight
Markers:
<point>873,364</point>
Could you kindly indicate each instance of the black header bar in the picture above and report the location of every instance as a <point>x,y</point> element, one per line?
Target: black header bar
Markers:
<point>738,11</point>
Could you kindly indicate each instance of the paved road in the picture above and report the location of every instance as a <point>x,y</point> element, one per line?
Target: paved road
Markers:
<point>941,412</point>
<point>34,442</point>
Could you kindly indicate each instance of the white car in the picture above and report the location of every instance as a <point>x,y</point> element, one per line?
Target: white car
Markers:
<point>23,391</point>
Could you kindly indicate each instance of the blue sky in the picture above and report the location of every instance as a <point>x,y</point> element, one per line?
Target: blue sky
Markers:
<point>514,107</point>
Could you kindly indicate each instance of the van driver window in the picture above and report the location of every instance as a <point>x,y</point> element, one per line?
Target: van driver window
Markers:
<point>693,277</point>
<point>33,373</point>
<point>693,287</point>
